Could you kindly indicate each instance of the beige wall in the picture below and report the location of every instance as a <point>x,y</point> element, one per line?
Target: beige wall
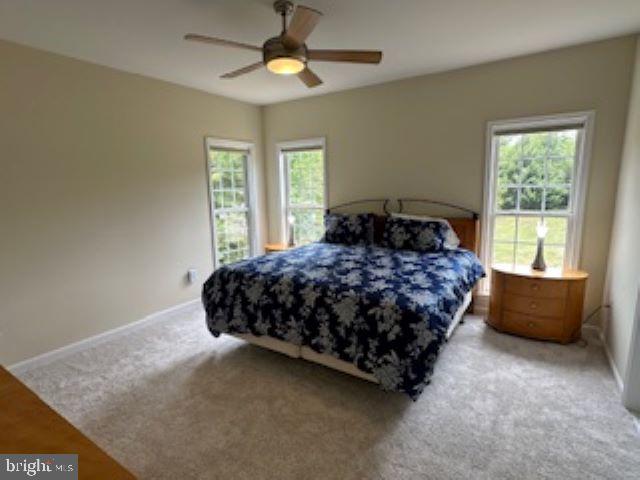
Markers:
<point>425,136</point>
<point>623,278</point>
<point>103,200</point>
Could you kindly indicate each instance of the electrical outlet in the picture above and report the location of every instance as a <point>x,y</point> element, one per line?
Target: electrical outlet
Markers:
<point>192,275</point>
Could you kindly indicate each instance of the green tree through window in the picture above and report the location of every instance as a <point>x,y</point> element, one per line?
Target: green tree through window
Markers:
<point>228,190</point>
<point>305,193</point>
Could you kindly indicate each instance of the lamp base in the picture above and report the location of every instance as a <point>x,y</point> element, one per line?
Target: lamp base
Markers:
<point>538,262</point>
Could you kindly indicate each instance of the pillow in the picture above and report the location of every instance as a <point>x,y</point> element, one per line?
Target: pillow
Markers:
<point>348,229</point>
<point>452,241</point>
<point>417,235</point>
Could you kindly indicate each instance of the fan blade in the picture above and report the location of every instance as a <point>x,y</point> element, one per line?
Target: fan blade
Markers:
<point>194,37</point>
<point>309,78</point>
<point>302,24</point>
<point>352,56</point>
<point>243,70</point>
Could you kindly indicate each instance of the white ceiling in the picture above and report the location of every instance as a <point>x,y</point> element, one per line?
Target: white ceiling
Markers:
<point>416,36</point>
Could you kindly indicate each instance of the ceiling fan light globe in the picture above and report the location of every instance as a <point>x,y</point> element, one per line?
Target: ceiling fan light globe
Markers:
<point>285,65</point>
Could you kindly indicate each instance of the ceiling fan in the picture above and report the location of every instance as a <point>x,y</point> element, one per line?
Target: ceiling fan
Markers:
<point>287,53</point>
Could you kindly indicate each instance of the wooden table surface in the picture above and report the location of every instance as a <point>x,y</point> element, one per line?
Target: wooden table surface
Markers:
<point>28,425</point>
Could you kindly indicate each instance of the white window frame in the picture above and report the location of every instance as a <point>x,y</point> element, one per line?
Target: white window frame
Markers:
<point>579,185</point>
<point>283,175</point>
<point>222,144</point>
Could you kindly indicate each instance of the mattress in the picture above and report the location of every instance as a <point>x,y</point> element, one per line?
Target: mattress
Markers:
<point>296,351</point>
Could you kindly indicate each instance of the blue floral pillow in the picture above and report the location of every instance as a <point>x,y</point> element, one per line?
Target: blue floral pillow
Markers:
<point>417,235</point>
<point>348,229</point>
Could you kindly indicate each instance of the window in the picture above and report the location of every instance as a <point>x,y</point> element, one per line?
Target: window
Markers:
<point>304,190</point>
<point>536,174</point>
<point>230,200</point>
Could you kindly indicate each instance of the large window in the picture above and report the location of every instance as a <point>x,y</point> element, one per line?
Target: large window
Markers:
<point>303,185</point>
<point>229,195</point>
<point>535,175</point>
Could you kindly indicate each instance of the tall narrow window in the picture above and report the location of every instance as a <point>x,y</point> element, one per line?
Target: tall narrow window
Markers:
<point>303,172</point>
<point>535,175</point>
<point>228,169</point>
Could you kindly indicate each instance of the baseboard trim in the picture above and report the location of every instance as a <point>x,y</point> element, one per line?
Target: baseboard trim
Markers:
<point>25,365</point>
<point>612,364</point>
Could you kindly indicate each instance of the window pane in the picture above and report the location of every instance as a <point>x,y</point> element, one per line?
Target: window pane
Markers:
<point>217,200</point>
<point>527,229</point>
<point>507,198</point>
<point>557,198</point>
<point>531,199</point>
<point>239,198</point>
<point>216,180</point>
<point>509,152</point>
<point>533,171</point>
<point>228,199</point>
<point>238,178</point>
<point>226,159</point>
<point>563,143</point>
<point>534,145</point>
<point>525,253</point>
<point>505,228</point>
<point>232,237</point>
<point>237,160</point>
<point>559,171</point>
<point>554,256</point>
<point>556,230</point>
<point>228,179</point>
<point>227,176</point>
<point>308,225</point>
<point>503,253</point>
<point>306,177</point>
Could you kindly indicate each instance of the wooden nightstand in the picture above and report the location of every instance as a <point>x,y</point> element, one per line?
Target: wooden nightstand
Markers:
<point>543,305</point>
<point>276,247</point>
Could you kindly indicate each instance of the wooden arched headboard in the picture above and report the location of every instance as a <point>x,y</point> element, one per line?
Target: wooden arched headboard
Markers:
<point>468,231</point>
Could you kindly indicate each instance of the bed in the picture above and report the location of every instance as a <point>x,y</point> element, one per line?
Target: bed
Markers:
<point>377,313</point>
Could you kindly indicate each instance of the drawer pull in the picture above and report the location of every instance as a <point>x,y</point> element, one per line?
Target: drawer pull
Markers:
<point>535,286</point>
<point>531,324</point>
<point>533,305</point>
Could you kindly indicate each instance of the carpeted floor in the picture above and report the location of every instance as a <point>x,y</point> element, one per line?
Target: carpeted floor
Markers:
<point>170,401</point>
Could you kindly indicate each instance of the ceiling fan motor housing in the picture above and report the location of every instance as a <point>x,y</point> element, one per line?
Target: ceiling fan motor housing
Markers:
<point>274,48</point>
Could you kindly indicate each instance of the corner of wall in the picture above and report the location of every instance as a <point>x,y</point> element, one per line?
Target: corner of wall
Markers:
<point>619,325</point>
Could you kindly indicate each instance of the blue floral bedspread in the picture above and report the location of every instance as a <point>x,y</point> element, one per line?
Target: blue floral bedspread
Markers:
<point>385,311</point>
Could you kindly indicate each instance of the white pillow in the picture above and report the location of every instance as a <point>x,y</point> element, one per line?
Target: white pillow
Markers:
<point>452,240</point>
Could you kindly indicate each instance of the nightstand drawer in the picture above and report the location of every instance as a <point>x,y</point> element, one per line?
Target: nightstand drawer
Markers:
<point>545,307</point>
<point>528,326</point>
<point>536,288</point>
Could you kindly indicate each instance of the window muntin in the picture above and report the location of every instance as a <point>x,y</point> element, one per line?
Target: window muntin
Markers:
<point>535,175</point>
<point>304,200</point>
<point>228,187</point>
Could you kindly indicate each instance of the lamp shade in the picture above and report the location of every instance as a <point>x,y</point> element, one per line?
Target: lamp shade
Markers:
<point>541,230</point>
